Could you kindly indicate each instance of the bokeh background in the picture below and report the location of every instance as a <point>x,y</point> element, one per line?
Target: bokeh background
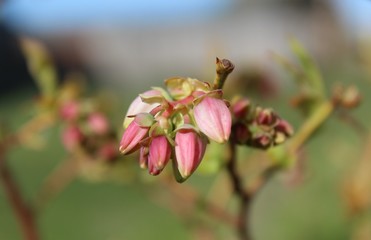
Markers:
<point>124,47</point>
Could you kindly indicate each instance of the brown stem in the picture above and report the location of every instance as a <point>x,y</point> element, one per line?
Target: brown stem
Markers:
<point>22,211</point>
<point>244,197</point>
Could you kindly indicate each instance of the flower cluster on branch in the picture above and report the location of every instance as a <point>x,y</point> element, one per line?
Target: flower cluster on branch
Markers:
<point>176,123</point>
<point>88,129</point>
<point>258,127</point>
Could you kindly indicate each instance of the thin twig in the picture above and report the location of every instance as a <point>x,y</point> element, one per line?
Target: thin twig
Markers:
<point>21,209</point>
<point>244,197</point>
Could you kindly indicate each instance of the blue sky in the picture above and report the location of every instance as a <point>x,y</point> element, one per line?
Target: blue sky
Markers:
<point>58,15</point>
<point>45,16</point>
<point>355,14</point>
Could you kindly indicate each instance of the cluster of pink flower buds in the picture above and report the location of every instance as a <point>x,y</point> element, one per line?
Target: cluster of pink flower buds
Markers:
<point>87,129</point>
<point>257,127</point>
<point>175,124</point>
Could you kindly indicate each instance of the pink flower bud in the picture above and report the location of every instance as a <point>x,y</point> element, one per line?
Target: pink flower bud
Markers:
<point>240,108</point>
<point>241,132</point>
<point>152,169</point>
<point>98,123</point>
<point>108,151</point>
<point>143,157</point>
<point>266,119</point>
<point>138,106</point>
<point>159,154</point>
<point>262,141</point>
<point>189,150</point>
<point>69,110</point>
<point>132,136</point>
<point>284,127</point>
<point>213,119</point>
<point>71,137</point>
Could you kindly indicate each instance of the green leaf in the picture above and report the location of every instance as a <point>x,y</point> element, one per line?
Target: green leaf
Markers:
<point>312,73</point>
<point>199,85</point>
<point>178,87</point>
<point>164,93</point>
<point>151,99</point>
<point>41,68</point>
<point>144,119</point>
<point>307,76</point>
<point>296,73</point>
<point>46,79</point>
<point>187,126</point>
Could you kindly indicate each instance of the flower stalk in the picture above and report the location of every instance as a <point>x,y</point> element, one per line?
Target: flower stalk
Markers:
<point>238,189</point>
<point>223,68</point>
<point>310,125</point>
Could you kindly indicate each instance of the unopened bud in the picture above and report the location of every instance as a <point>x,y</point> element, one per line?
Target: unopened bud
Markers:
<point>189,150</point>
<point>143,157</point>
<point>240,108</point>
<point>98,123</point>
<point>347,97</point>
<point>262,141</point>
<point>69,111</point>
<point>241,132</point>
<point>159,154</point>
<point>213,119</point>
<point>266,119</point>
<point>284,127</point>
<point>152,169</point>
<point>108,151</point>
<point>135,133</point>
<point>351,97</point>
<point>224,66</point>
